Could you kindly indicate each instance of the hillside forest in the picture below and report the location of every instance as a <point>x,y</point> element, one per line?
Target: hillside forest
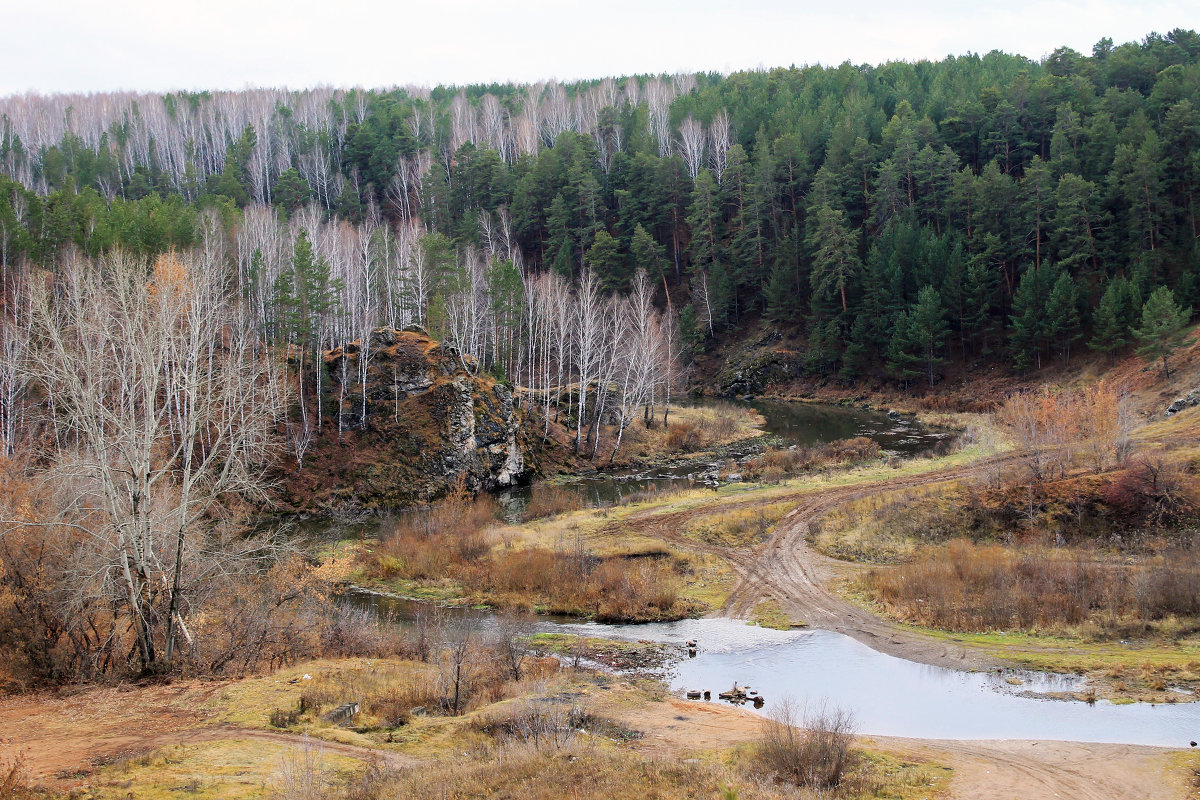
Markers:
<point>898,216</point>
<point>197,286</point>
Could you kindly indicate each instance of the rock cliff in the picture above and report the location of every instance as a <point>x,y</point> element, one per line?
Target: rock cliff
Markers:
<point>431,424</point>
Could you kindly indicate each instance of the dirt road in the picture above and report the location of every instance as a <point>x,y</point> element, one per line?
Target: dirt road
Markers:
<point>62,738</point>
<point>981,770</point>
<point>785,568</point>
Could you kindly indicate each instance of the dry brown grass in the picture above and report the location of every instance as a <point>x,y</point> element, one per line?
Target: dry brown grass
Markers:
<point>547,500</point>
<point>451,541</point>
<point>692,428</point>
<point>586,770</point>
<point>976,588</point>
<point>614,589</point>
<point>426,542</point>
<point>736,527</point>
<point>775,465</point>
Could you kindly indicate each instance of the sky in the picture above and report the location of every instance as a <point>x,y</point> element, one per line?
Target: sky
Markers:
<point>101,45</point>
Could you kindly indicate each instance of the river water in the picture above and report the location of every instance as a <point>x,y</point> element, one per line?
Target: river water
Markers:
<point>893,697</point>
<point>788,423</point>
<point>888,696</point>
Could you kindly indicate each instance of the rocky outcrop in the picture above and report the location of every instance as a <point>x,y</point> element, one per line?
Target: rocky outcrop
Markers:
<point>1189,400</point>
<point>756,365</point>
<point>432,424</point>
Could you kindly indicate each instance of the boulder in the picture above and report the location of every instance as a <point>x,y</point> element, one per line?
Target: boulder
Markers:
<point>1189,400</point>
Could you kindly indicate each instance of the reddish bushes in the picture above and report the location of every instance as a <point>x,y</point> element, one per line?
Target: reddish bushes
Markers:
<point>449,540</point>
<point>425,543</point>
<point>969,587</point>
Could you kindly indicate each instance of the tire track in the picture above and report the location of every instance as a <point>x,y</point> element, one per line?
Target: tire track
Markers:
<point>785,568</point>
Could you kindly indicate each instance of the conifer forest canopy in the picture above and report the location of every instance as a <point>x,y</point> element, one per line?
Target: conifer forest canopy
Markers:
<point>898,215</point>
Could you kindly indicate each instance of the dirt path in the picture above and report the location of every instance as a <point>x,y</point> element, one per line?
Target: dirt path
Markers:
<point>222,732</point>
<point>62,738</point>
<point>785,568</point>
<point>982,770</point>
<point>1003,770</point>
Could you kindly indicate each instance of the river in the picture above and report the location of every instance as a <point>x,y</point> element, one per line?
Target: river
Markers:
<point>786,423</point>
<point>888,696</point>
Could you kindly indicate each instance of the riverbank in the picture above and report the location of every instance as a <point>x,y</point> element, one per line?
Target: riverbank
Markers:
<point>215,739</point>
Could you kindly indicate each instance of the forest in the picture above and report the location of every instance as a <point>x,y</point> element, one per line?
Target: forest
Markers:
<point>899,216</point>
<point>186,276</point>
<point>274,359</point>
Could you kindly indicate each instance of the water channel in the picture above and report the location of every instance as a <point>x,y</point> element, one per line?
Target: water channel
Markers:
<point>787,424</point>
<point>888,696</point>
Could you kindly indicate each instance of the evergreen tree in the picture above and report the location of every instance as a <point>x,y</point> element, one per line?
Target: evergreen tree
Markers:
<point>704,219</point>
<point>1109,329</point>
<point>835,256</point>
<point>1029,323</point>
<point>291,191</point>
<point>648,254</point>
<point>1164,327</point>
<point>1062,314</point>
<point>920,334</point>
<point>605,259</point>
<point>560,247</point>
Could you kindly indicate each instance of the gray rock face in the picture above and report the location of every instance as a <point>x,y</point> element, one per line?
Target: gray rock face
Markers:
<point>432,423</point>
<point>1191,399</point>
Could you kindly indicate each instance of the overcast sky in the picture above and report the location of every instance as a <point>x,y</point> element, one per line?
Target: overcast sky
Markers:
<point>95,45</point>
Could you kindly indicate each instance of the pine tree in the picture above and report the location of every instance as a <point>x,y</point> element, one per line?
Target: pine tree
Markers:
<point>1029,319</point>
<point>704,219</point>
<point>835,256</point>
<point>920,335</point>
<point>648,254</point>
<point>560,247</point>
<point>1062,314</point>
<point>604,258</point>
<point>1109,331</point>
<point>1164,327</point>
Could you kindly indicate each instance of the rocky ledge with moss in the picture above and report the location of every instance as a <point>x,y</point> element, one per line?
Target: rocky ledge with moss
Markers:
<point>432,423</point>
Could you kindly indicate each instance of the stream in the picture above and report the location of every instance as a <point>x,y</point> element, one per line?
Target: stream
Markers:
<point>888,696</point>
<point>788,424</point>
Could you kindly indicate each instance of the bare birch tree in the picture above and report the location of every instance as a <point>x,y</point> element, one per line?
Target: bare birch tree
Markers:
<point>691,145</point>
<point>719,143</point>
<point>167,405</point>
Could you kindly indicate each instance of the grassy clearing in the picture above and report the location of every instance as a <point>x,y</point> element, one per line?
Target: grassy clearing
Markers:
<point>556,735</point>
<point>736,527</point>
<point>232,769</point>
<point>769,614</point>
<point>889,527</point>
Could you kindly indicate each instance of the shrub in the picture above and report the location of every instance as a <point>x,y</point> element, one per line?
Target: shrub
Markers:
<point>969,587</point>
<point>282,718</point>
<point>817,755</point>
<point>548,500</point>
<point>684,437</point>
